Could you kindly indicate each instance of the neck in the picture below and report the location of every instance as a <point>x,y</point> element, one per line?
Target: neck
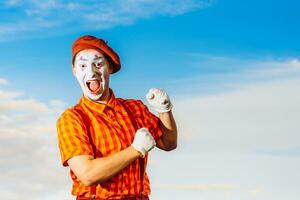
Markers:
<point>105,97</point>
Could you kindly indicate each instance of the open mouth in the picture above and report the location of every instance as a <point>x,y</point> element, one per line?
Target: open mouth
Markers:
<point>94,86</point>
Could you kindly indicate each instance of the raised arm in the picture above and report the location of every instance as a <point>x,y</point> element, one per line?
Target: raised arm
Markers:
<point>168,140</point>
<point>160,101</point>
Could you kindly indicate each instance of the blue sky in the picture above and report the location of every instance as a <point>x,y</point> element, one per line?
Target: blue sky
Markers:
<point>231,68</point>
<point>161,42</point>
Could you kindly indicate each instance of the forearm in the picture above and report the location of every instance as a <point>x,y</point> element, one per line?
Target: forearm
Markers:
<point>102,169</point>
<point>169,128</point>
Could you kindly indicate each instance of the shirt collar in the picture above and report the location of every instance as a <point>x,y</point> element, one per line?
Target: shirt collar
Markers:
<point>99,107</point>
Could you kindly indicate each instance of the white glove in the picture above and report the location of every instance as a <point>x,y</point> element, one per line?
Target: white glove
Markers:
<point>159,100</point>
<point>143,141</point>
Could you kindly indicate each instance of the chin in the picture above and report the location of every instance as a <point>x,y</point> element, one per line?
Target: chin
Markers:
<point>94,97</point>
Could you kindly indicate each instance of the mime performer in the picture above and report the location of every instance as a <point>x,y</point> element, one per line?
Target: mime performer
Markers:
<point>106,140</point>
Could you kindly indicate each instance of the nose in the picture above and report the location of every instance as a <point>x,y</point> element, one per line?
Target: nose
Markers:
<point>92,70</point>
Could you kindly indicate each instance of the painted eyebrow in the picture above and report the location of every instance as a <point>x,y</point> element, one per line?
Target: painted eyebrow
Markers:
<point>81,58</point>
<point>95,59</point>
<point>99,58</point>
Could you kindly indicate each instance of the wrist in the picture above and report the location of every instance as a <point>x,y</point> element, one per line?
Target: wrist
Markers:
<point>164,109</point>
<point>136,152</point>
<point>165,113</point>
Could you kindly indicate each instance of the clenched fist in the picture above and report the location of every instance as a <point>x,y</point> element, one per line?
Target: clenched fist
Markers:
<point>143,141</point>
<point>159,100</point>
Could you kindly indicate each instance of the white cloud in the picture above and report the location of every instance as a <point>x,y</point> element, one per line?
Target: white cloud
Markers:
<point>198,187</point>
<point>3,81</point>
<point>260,111</point>
<point>222,176</point>
<point>256,192</point>
<point>9,94</point>
<point>29,152</point>
<point>223,73</point>
<point>36,16</point>
<point>9,3</point>
<point>27,104</point>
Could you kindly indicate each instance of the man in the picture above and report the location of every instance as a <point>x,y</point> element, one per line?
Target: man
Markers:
<point>105,140</point>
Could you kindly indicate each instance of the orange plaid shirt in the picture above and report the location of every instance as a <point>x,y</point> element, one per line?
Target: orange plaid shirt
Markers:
<point>108,131</point>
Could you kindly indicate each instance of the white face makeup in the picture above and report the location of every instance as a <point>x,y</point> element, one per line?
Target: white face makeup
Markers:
<point>92,71</point>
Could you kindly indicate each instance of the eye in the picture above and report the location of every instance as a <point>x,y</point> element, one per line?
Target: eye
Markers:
<point>82,66</point>
<point>100,64</point>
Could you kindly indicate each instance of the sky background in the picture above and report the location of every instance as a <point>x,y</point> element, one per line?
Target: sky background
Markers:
<point>231,69</point>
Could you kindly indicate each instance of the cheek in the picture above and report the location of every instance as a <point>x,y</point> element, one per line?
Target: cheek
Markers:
<point>79,75</point>
<point>104,71</point>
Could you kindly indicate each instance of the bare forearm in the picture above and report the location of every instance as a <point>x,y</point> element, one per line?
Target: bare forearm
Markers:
<point>102,169</point>
<point>169,128</point>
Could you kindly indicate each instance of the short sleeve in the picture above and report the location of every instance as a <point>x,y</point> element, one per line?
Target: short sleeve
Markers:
<point>151,122</point>
<point>72,136</point>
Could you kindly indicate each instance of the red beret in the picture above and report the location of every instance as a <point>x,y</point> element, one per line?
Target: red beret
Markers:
<point>91,42</point>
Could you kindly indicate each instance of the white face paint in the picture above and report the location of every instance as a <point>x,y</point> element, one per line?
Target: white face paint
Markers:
<point>92,71</point>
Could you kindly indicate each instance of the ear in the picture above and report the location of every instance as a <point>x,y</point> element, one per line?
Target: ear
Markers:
<point>110,68</point>
<point>110,65</point>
